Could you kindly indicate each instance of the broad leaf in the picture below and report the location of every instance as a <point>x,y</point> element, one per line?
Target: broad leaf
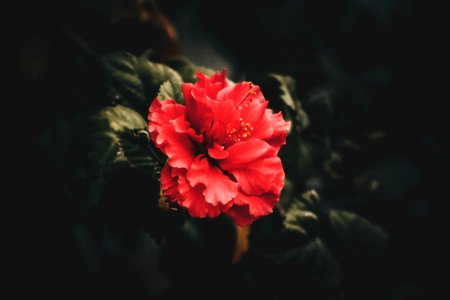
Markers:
<point>301,218</point>
<point>281,89</point>
<point>123,169</point>
<point>171,90</point>
<point>135,81</point>
<point>358,234</point>
<point>312,261</point>
<point>111,143</point>
<point>154,75</point>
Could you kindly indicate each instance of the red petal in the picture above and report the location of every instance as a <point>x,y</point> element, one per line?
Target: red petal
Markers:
<point>162,112</point>
<point>241,93</point>
<point>182,126</point>
<point>235,93</point>
<point>246,152</point>
<point>256,177</point>
<point>219,188</point>
<point>211,85</point>
<point>256,95</point>
<point>224,114</point>
<point>258,206</point>
<point>169,184</point>
<point>178,147</point>
<point>218,152</point>
<point>278,183</point>
<point>248,209</point>
<point>241,215</point>
<point>194,201</point>
<point>280,129</point>
<point>172,133</point>
<point>198,112</point>
<point>187,91</point>
<point>200,97</point>
<point>254,164</point>
<point>254,113</point>
<point>220,78</point>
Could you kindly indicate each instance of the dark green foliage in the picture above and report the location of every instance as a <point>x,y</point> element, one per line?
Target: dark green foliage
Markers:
<point>137,80</point>
<point>358,234</point>
<point>318,251</point>
<point>100,147</point>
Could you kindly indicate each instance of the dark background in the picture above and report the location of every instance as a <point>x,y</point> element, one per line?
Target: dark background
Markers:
<point>371,76</point>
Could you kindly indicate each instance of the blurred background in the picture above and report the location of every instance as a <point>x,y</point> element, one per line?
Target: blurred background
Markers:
<point>365,83</point>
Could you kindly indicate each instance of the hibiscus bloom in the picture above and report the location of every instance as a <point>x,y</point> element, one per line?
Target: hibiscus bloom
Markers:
<point>222,148</point>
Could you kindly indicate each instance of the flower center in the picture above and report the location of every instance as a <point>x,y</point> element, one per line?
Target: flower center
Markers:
<point>241,133</point>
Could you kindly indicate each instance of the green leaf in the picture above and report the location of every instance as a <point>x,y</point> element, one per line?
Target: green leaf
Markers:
<point>357,233</point>
<point>313,261</point>
<point>301,218</point>
<point>135,81</point>
<point>121,79</point>
<point>287,94</point>
<point>116,174</point>
<point>118,139</point>
<point>298,259</point>
<point>297,155</point>
<point>300,221</point>
<point>287,87</point>
<point>171,90</point>
<point>111,142</point>
<point>153,75</point>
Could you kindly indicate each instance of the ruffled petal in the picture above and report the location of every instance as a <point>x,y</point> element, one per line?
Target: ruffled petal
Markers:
<point>198,111</point>
<point>182,126</point>
<point>172,134</point>
<point>278,183</point>
<point>255,94</point>
<point>211,85</point>
<point>194,201</point>
<point>200,97</point>
<point>254,164</point>
<point>254,113</point>
<point>246,152</point>
<point>178,147</point>
<point>219,188</point>
<point>220,78</point>
<point>280,129</point>
<point>248,209</point>
<point>241,215</point>
<point>187,91</point>
<point>217,152</point>
<point>258,206</point>
<point>241,93</point>
<point>225,114</point>
<point>236,93</point>
<point>255,178</point>
<point>163,112</point>
<point>169,184</point>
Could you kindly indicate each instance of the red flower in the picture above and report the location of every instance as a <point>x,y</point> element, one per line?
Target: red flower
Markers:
<point>222,149</point>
